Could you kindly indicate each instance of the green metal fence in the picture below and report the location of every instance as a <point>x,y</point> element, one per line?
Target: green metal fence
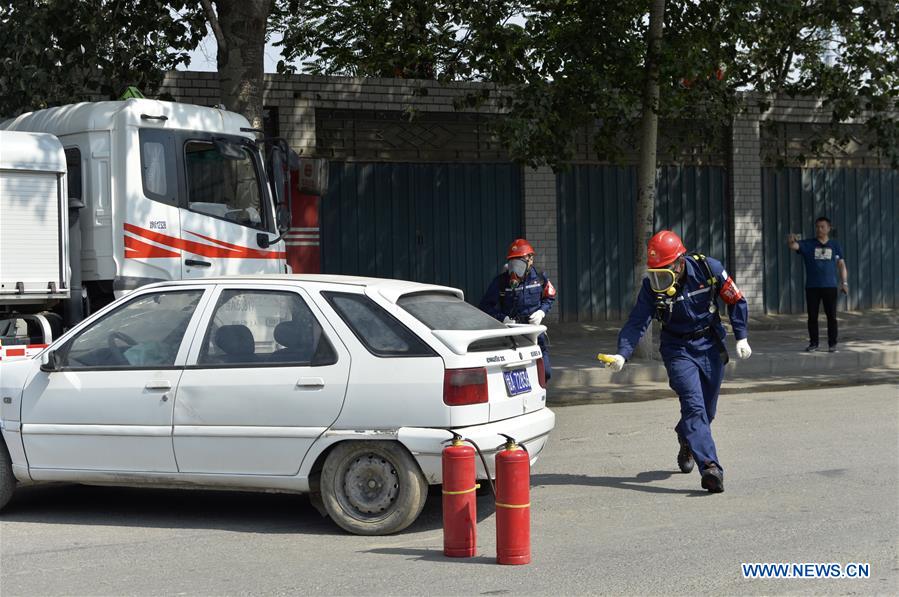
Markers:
<point>596,223</point>
<point>444,223</point>
<point>863,204</point>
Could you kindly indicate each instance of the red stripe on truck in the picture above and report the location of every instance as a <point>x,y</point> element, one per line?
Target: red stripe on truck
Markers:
<point>137,249</point>
<point>224,250</point>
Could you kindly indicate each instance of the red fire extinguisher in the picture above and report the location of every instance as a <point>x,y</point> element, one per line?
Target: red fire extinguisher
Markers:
<point>459,505</point>
<point>513,504</point>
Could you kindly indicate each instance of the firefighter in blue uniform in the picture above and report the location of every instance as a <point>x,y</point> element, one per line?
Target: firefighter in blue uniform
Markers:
<point>682,291</point>
<point>520,294</point>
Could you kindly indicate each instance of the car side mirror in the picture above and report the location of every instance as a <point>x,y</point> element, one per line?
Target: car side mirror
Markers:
<point>49,362</point>
<point>263,240</point>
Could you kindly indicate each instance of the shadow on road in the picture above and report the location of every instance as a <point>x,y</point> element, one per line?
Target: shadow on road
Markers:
<point>637,483</point>
<point>430,555</point>
<point>431,518</point>
<point>242,512</point>
<point>167,508</point>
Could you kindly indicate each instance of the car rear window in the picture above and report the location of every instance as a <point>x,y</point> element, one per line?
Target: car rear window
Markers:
<point>443,311</point>
<point>379,331</point>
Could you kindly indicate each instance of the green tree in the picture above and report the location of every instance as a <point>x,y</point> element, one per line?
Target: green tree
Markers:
<point>415,39</point>
<point>587,66</point>
<point>240,28</point>
<point>60,51</point>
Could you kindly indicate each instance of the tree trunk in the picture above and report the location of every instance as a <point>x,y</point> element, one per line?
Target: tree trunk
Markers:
<point>239,28</point>
<point>646,172</point>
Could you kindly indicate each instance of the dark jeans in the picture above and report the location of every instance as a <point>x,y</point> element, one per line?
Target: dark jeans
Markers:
<point>813,297</point>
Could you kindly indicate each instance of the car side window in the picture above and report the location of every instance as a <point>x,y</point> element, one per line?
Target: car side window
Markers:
<point>146,332</point>
<point>264,327</point>
<point>379,331</point>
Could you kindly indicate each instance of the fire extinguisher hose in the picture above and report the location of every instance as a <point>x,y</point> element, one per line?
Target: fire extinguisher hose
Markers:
<point>484,462</point>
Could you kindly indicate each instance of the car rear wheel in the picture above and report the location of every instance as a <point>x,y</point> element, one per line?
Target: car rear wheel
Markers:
<point>7,479</point>
<point>372,487</point>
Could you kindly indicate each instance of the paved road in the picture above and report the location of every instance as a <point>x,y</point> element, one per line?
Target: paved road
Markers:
<point>812,476</point>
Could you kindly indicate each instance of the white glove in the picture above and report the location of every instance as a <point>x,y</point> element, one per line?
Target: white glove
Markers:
<point>618,364</point>
<point>743,350</point>
<point>507,319</point>
<point>537,316</point>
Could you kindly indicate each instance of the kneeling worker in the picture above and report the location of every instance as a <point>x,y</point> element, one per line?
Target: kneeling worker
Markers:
<point>520,294</point>
<point>682,291</point>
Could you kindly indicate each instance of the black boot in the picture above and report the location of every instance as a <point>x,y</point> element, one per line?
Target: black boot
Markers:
<point>684,456</point>
<point>713,479</point>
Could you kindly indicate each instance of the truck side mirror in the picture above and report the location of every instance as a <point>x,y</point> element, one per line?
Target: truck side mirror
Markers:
<point>277,172</point>
<point>49,362</point>
<point>283,218</point>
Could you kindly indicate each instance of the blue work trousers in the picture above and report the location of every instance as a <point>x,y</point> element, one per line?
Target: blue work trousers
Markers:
<point>696,377</point>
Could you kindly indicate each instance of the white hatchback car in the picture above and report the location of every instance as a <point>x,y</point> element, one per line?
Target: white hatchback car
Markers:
<point>346,388</point>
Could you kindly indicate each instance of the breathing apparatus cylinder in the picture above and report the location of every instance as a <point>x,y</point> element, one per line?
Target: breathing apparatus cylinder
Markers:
<point>513,504</point>
<point>459,500</point>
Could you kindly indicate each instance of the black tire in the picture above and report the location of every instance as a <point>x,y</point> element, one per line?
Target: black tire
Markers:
<point>372,487</point>
<point>7,479</point>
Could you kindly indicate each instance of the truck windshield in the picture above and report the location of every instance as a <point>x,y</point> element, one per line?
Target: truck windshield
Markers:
<point>228,187</point>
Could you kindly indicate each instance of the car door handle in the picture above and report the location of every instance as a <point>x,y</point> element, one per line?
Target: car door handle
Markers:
<point>311,383</point>
<point>158,384</point>
<point>197,263</point>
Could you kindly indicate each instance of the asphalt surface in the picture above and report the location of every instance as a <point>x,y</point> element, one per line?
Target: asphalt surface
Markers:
<point>812,476</point>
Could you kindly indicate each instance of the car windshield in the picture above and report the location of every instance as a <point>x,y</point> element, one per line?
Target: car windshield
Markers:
<point>444,311</point>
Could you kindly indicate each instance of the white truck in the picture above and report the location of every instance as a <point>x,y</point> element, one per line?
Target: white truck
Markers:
<point>97,199</point>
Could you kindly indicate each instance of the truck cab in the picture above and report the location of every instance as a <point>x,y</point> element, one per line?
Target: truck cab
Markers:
<point>159,191</point>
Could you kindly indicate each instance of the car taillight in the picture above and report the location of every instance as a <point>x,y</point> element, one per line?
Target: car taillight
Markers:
<point>465,386</point>
<point>541,373</point>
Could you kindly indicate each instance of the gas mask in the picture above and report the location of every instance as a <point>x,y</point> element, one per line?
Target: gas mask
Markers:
<point>664,280</point>
<point>664,283</point>
<point>517,269</point>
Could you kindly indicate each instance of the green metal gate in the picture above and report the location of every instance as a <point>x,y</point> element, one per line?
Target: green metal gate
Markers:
<point>443,223</point>
<point>596,230</point>
<point>862,203</point>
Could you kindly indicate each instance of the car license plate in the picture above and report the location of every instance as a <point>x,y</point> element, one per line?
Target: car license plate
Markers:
<point>517,381</point>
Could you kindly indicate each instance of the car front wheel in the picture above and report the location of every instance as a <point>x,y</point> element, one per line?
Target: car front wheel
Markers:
<point>372,487</point>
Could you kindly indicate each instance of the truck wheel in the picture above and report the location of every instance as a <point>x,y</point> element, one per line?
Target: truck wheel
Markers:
<point>372,487</point>
<point>7,479</point>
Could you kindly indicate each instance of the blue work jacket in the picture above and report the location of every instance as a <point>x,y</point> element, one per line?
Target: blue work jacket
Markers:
<point>534,292</point>
<point>691,311</point>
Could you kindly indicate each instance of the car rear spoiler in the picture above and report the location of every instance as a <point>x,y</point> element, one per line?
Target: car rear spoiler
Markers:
<point>459,340</point>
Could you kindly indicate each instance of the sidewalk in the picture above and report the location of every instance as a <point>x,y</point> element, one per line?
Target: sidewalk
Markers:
<point>868,353</point>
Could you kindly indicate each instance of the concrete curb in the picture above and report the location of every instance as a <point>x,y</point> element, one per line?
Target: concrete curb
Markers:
<point>758,368</point>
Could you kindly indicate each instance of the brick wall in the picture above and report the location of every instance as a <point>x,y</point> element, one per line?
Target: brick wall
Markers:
<point>302,99</point>
<point>540,225</point>
<point>298,96</point>
<point>747,258</point>
<point>779,134</point>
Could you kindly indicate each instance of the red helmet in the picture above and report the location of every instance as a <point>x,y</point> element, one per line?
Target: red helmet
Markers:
<point>520,248</point>
<point>664,248</point>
